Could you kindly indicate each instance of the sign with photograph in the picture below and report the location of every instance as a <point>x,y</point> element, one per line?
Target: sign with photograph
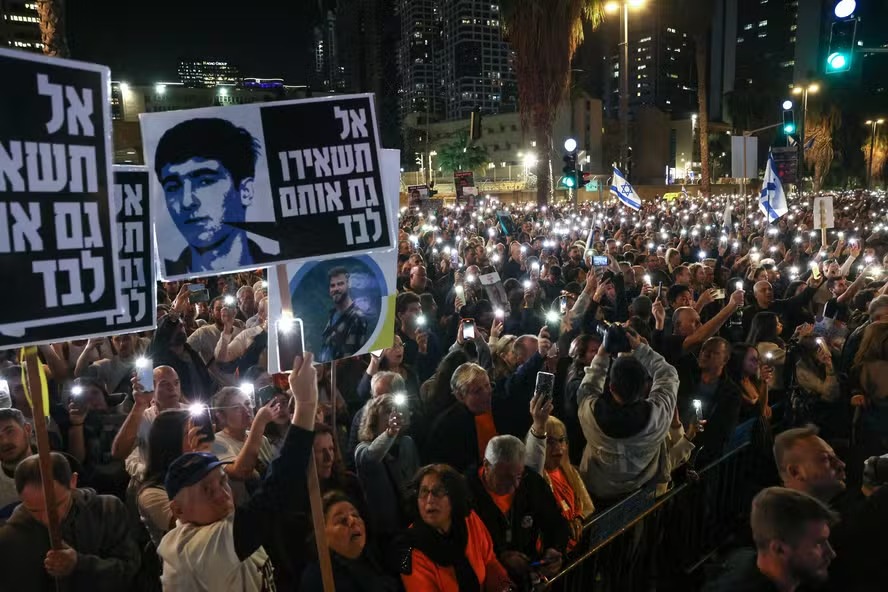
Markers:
<point>346,305</point>
<point>824,216</point>
<point>58,249</point>
<point>132,209</point>
<point>245,186</point>
<point>417,195</point>
<point>495,291</point>
<point>464,184</point>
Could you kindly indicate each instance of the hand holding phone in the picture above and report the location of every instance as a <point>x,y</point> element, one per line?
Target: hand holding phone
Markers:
<point>290,342</point>
<point>545,386</point>
<point>201,418</point>
<point>145,374</point>
<point>468,329</point>
<point>198,293</point>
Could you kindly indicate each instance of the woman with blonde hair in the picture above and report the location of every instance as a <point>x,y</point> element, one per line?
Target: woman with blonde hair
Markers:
<point>547,453</point>
<point>386,460</point>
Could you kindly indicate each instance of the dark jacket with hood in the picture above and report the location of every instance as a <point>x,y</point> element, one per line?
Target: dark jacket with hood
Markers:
<point>96,526</point>
<point>197,385</point>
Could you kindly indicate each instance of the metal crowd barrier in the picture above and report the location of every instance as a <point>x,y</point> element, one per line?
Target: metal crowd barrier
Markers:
<point>644,542</point>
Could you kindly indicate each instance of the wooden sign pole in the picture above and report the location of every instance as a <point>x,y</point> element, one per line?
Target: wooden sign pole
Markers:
<point>32,369</point>
<point>822,223</point>
<point>314,483</point>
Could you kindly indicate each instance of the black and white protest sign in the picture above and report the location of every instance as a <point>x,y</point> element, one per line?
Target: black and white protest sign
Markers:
<point>248,185</point>
<point>132,208</point>
<point>58,251</point>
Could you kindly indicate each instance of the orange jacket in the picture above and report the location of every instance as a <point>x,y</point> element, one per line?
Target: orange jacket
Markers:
<point>427,576</point>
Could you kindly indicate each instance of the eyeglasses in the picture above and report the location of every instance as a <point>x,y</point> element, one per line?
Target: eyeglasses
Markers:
<point>437,492</point>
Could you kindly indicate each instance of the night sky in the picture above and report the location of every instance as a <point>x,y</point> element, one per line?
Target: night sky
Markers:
<point>143,42</point>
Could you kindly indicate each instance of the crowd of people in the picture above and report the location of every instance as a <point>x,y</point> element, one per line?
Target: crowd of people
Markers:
<point>443,463</point>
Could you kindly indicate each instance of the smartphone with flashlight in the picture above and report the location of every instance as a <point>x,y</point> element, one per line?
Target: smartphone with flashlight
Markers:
<point>815,270</point>
<point>265,395</point>
<point>454,258</point>
<point>460,292</point>
<point>201,418</point>
<point>145,374</point>
<point>290,342</point>
<point>198,293</point>
<point>76,398</point>
<point>698,409</point>
<point>468,329</point>
<point>562,305</point>
<point>659,291</point>
<point>545,385</point>
<point>535,271</point>
<point>599,261</point>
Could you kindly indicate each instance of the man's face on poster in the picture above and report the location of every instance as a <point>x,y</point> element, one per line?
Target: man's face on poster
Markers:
<point>203,198</point>
<point>338,288</point>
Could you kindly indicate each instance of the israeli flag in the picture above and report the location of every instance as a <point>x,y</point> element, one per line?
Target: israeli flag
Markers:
<point>684,192</point>
<point>623,190</point>
<point>772,201</point>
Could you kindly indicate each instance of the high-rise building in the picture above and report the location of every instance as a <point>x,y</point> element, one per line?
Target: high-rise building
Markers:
<point>329,74</point>
<point>420,90</point>
<point>766,41</point>
<point>20,25</point>
<point>475,61</point>
<point>662,71</point>
<point>207,73</point>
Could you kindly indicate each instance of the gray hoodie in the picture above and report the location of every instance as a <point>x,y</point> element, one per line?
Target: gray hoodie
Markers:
<point>96,526</point>
<point>612,467</point>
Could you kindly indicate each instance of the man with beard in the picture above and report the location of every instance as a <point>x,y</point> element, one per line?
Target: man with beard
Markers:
<point>791,533</point>
<point>15,446</point>
<point>346,330</point>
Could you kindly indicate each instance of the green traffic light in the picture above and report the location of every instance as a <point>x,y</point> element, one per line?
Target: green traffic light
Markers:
<point>836,61</point>
<point>569,182</point>
<point>789,128</point>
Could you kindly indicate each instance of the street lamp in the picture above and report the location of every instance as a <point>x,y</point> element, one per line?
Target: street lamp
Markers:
<point>431,170</point>
<point>612,7</point>
<point>810,88</point>
<point>873,123</point>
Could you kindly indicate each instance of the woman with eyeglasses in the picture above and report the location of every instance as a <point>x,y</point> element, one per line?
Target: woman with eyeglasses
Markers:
<point>448,549</point>
<point>548,454</point>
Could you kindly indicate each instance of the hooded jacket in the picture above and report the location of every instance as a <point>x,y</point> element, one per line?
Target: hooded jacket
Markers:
<point>614,466</point>
<point>96,526</point>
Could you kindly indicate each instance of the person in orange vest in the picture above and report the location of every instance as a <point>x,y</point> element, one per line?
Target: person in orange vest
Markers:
<point>448,549</point>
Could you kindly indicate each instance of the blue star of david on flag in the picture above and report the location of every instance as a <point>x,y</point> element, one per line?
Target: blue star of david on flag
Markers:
<point>623,190</point>
<point>772,200</point>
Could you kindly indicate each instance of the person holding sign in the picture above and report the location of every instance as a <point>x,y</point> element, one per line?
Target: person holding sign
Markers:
<point>207,169</point>
<point>98,552</point>
<point>216,546</point>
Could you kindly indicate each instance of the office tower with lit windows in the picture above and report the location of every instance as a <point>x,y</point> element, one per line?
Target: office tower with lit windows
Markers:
<point>662,71</point>
<point>20,25</point>
<point>207,73</point>
<point>420,90</point>
<point>475,61</point>
<point>766,42</point>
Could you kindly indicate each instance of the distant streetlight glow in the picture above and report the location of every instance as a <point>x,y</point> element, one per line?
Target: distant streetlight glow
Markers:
<point>160,89</point>
<point>612,7</point>
<point>570,144</point>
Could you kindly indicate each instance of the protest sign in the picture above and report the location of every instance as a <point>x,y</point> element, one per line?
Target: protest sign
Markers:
<point>824,216</point>
<point>58,248</point>
<point>464,185</point>
<point>417,195</point>
<point>249,185</point>
<point>132,208</point>
<point>496,292</point>
<point>371,285</point>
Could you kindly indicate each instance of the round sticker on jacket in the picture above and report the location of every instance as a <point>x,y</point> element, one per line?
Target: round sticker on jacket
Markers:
<point>527,522</point>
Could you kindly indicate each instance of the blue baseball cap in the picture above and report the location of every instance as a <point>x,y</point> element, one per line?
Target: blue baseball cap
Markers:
<point>189,469</point>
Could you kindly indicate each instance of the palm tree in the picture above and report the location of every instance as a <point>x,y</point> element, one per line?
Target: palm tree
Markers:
<point>52,27</point>
<point>879,156</point>
<point>697,19</point>
<point>458,155</point>
<point>545,35</point>
<point>820,128</point>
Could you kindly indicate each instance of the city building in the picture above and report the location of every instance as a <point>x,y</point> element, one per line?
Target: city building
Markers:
<point>207,73</point>
<point>328,74</point>
<point>420,92</point>
<point>767,36</point>
<point>475,62</point>
<point>20,26</point>
<point>662,71</point>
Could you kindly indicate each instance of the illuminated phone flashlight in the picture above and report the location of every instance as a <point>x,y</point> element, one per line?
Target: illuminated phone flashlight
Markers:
<point>723,239</point>
<point>77,390</point>
<point>797,239</point>
<point>698,408</point>
<point>813,265</point>
<point>196,409</point>
<point>400,399</point>
<point>142,362</point>
<point>523,249</point>
<point>286,323</point>
<point>535,266</point>
<point>794,270</point>
<point>499,313</point>
<point>736,245</point>
<point>647,279</point>
<point>413,239</point>
<point>769,356</point>
<point>491,232</point>
<point>868,259</point>
<point>702,254</point>
<point>841,235</point>
<point>420,320</point>
<point>694,232</point>
<point>650,246</point>
<point>772,249</point>
<point>526,284</point>
<point>812,234</point>
<point>552,316</point>
<point>772,231</point>
<point>470,279</point>
<point>247,388</point>
<point>229,300</point>
<point>739,285</point>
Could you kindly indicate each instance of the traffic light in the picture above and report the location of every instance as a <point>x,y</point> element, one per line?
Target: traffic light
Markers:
<point>841,46</point>
<point>789,126</point>
<point>584,178</point>
<point>569,172</point>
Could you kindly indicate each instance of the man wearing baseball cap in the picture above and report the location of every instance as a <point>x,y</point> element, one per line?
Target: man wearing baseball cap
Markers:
<point>215,546</point>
